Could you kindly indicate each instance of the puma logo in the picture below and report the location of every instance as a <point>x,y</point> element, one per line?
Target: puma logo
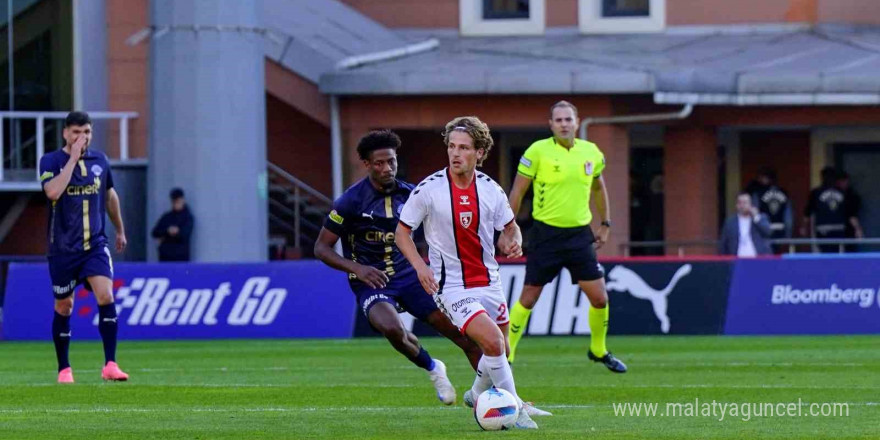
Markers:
<point>621,279</point>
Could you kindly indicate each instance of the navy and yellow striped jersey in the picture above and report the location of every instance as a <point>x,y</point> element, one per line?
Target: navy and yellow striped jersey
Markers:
<point>365,220</point>
<point>76,219</point>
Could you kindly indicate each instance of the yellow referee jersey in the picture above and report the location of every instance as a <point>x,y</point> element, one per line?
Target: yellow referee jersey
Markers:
<point>562,179</point>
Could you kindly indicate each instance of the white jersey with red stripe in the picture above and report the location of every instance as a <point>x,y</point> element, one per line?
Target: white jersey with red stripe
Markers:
<point>460,227</point>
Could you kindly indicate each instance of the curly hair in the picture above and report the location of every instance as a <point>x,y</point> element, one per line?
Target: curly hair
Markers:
<point>476,129</point>
<point>377,140</point>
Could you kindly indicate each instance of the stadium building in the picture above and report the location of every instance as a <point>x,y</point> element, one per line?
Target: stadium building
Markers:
<point>255,108</point>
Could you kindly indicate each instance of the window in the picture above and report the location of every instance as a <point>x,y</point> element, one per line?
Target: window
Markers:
<point>626,8</point>
<point>505,9</point>
<point>501,17</point>
<point>621,16</point>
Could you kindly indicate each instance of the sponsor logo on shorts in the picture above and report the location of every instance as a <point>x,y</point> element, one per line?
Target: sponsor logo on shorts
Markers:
<point>371,299</point>
<point>64,290</point>
<point>461,303</point>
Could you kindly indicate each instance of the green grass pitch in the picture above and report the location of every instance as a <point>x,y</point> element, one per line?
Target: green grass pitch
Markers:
<point>361,389</point>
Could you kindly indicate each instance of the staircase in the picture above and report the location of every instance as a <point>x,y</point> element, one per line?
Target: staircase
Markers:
<point>296,214</point>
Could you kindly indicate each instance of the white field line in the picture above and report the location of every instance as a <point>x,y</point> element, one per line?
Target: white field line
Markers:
<point>395,409</point>
<point>407,385</point>
<point>410,367</point>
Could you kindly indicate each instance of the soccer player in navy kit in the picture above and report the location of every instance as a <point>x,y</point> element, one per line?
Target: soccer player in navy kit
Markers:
<point>79,185</point>
<point>365,217</point>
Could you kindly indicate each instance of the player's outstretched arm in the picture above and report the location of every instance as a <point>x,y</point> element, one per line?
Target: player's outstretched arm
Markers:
<point>510,240</point>
<point>403,240</point>
<point>521,184</point>
<point>371,276</point>
<point>600,198</point>
<point>115,214</point>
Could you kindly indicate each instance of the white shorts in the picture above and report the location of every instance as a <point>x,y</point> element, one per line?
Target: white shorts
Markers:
<point>462,305</point>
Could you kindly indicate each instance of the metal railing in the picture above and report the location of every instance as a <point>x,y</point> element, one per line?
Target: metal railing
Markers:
<point>39,141</point>
<point>791,243</point>
<point>298,202</point>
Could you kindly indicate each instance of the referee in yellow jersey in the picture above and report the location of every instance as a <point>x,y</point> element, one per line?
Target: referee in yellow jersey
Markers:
<point>565,172</point>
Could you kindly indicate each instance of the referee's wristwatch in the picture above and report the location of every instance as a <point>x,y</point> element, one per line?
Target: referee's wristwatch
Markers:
<point>606,223</point>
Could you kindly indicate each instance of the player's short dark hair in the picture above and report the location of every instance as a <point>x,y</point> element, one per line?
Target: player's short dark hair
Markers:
<point>377,140</point>
<point>476,129</point>
<point>563,103</point>
<point>77,118</point>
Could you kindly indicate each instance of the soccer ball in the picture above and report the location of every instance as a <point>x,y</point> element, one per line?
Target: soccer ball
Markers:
<point>496,410</point>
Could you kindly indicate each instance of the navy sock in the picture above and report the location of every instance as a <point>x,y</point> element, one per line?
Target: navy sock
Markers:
<point>107,328</point>
<point>423,360</point>
<point>61,337</point>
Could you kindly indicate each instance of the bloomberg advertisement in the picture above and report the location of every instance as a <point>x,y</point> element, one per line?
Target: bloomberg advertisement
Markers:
<point>827,296</point>
<point>192,301</point>
<point>668,297</point>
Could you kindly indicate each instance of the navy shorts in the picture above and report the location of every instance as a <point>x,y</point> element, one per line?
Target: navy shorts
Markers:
<point>552,248</point>
<point>69,270</point>
<point>405,294</point>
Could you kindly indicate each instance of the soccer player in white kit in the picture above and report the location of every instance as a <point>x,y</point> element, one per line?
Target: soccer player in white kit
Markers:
<point>461,208</point>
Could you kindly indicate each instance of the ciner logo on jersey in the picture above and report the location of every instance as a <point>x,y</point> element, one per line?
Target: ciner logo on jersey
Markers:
<point>84,190</point>
<point>154,301</point>
<point>380,237</point>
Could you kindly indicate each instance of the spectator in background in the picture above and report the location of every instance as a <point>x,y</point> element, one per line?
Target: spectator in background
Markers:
<point>853,204</point>
<point>746,233</point>
<point>772,201</point>
<point>174,229</point>
<point>825,211</point>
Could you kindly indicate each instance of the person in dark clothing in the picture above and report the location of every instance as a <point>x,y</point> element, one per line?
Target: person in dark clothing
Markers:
<point>173,230</point>
<point>826,211</point>
<point>773,202</point>
<point>852,204</point>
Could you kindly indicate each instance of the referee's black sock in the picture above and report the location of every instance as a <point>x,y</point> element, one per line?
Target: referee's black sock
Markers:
<point>107,328</point>
<point>61,337</point>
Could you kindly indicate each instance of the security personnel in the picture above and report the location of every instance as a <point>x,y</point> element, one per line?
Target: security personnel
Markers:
<point>772,201</point>
<point>827,211</point>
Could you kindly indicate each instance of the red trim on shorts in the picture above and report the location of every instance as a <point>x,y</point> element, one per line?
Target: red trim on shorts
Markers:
<point>466,323</point>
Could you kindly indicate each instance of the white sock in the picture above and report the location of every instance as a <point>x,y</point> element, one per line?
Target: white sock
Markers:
<point>482,381</point>
<point>501,374</point>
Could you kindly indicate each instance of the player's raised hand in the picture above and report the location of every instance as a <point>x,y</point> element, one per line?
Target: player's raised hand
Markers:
<point>426,277</point>
<point>121,242</point>
<point>372,277</point>
<point>77,148</point>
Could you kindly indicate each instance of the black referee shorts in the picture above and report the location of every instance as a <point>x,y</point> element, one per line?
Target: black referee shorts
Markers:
<point>552,248</point>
